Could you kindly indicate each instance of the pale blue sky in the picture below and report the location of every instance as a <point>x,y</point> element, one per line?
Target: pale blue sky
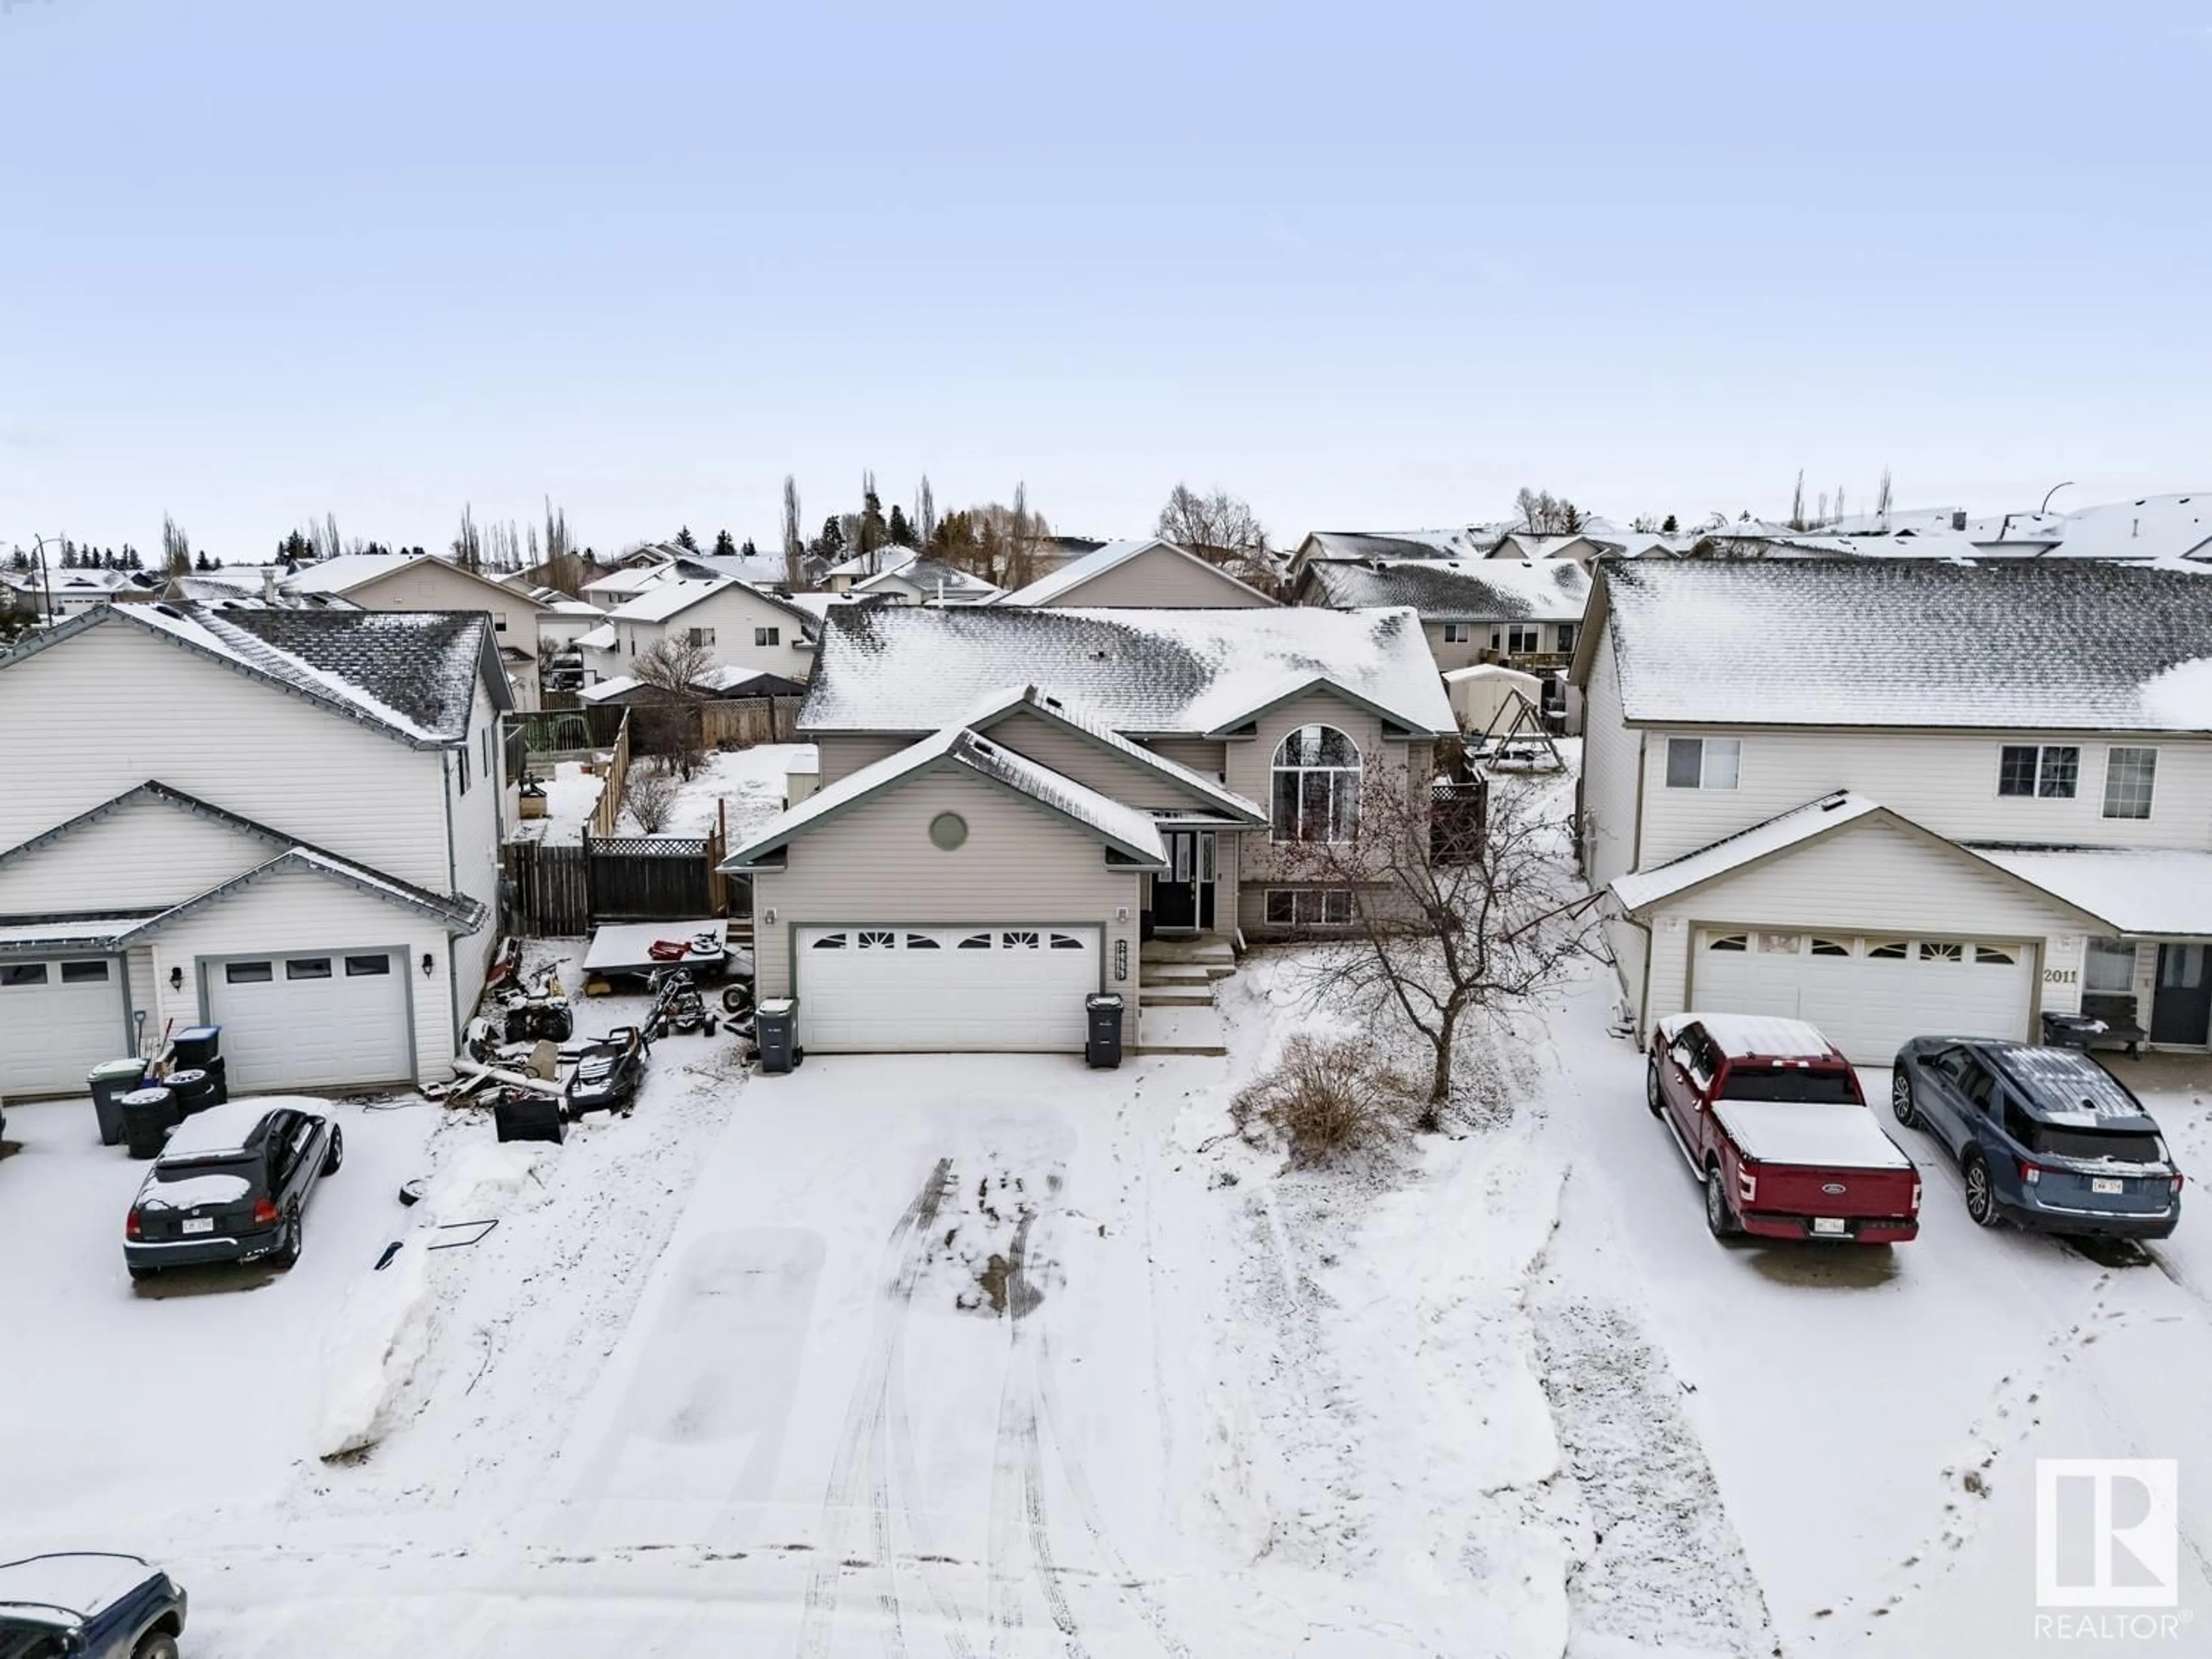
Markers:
<point>1366,265</point>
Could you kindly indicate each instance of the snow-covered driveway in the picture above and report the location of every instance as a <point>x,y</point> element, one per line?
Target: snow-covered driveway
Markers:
<point>1873,1416</point>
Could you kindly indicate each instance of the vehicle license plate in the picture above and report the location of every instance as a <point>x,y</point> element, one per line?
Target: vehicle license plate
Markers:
<point>2100,1184</point>
<point>205,1223</point>
<point>1827,1224</point>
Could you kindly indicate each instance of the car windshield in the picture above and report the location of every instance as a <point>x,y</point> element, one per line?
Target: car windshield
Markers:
<point>2121,1146</point>
<point>1791,1083</point>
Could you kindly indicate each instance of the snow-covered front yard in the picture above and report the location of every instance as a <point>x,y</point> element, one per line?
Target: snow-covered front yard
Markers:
<point>967,1355</point>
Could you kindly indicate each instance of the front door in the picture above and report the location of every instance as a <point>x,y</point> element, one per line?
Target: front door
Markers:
<point>1182,894</point>
<point>2181,1012</point>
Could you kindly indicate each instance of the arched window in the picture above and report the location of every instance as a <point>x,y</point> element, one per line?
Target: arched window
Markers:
<point>1316,786</point>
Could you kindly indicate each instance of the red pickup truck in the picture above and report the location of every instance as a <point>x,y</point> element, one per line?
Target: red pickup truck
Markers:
<point>1770,1119</point>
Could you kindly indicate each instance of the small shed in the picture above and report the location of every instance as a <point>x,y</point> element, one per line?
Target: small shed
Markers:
<point>1478,693</point>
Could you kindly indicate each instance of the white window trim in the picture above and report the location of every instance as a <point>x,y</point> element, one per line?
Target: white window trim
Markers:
<point>1316,894</point>
<point>1705,746</point>
<point>2150,801</point>
<point>2041,750</point>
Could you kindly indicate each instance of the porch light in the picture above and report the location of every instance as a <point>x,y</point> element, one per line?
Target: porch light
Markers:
<point>429,964</point>
<point>176,979</point>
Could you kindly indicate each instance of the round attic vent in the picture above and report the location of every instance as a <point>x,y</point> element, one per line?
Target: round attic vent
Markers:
<point>948,831</point>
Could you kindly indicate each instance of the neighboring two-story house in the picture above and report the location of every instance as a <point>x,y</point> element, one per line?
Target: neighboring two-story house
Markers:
<point>1013,799</point>
<point>286,822</point>
<point>736,625</point>
<point>899,575</point>
<point>1148,573</point>
<point>1902,797</point>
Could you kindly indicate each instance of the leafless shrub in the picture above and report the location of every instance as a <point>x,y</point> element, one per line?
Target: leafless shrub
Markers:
<point>1329,1096</point>
<point>651,797</point>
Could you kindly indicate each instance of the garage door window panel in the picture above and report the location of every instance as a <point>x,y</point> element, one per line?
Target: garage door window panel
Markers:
<point>975,942</point>
<point>307,968</point>
<point>248,973</point>
<point>19,975</point>
<point>364,967</point>
<point>84,973</point>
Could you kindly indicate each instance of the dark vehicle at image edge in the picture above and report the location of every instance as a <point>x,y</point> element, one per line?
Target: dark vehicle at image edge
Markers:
<point>232,1185</point>
<point>88,1604</point>
<point>2046,1139</point>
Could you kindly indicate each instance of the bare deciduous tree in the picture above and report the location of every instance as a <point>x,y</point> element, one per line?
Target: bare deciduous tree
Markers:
<point>468,542</point>
<point>794,543</point>
<point>1543,513</point>
<point>563,571</point>
<point>1497,926</point>
<point>176,547</point>
<point>1220,528</point>
<point>671,670</point>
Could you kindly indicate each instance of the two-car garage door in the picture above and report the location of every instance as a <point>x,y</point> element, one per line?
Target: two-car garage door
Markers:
<point>321,1019</point>
<point>904,988</point>
<point>58,1019</point>
<point>1868,994</point>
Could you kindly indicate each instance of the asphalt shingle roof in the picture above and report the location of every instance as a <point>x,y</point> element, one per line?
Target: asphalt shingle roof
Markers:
<point>2061,646</point>
<point>912,669</point>
<point>1501,590</point>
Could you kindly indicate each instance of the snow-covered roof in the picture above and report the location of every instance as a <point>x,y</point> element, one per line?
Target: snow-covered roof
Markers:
<point>1476,590</point>
<point>1128,831</point>
<point>760,570</point>
<point>1471,541</point>
<point>2076,645</point>
<point>1058,711</point>
<point>1077,571</point>
<point>2152,891</point>
<point>928,575</point>
<point>631,580</point>
<point>345,572</point>
<point>1646,887</point>
<point>2146,528</point>
<point>912,669</point>
<point>608,690</point>
<point>602,638</point>
<point>410,674</point>
<point>670,598</point>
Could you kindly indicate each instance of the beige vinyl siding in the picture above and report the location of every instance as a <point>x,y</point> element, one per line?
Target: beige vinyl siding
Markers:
<point>877,863</point>
<point>1868,878</point>
<point>430,586</point>
<point>1944,781</point>
<point>843,755</point>
<point>295,911</point>
<point>1160,580</point>
<point>1459,653</point>
<point>1077,757</point>
<point>1610,764</point>
<point>1202,754</point>
<point>114,706</point>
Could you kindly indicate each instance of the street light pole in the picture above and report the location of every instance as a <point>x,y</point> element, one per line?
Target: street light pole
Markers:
<point>45,573</point>
<point>2049,493</point>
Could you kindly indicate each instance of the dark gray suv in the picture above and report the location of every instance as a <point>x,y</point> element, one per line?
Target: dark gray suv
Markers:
<point>2044,1138</point>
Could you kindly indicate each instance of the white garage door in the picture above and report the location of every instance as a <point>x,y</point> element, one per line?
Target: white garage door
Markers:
<point>1868,994</point>
<point>58,1019</point>
<point>311,1021</point>
<point>937,990</point>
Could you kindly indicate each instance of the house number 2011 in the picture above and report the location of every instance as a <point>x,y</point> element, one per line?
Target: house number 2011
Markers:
<point>2061,975</point>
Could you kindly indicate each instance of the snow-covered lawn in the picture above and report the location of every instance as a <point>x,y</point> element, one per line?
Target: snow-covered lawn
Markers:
<point>747,785</point>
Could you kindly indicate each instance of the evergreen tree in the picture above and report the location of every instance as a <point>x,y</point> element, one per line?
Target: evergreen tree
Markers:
<point>19,561</point>
<point>686,540</point>
<point>748,550</point>
<point>1667,528</point>
<point>204,562</point>
<point>901,532</point>
<point>831,542</point>
<point>68,554</point>
<point>130,559</point>
<point>723,543</point>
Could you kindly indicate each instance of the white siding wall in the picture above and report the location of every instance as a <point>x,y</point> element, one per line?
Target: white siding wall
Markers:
<point>296,911</point>
<point>733,615</point>
<point>1610,766</point>
<point>114,706</point>
<point>477,835</point>
<point>144,857</point>
<point>1159,580</point>
<point>877,863</point>
<point>430,586</point>
<point>842,756</point>
<point>1942,782</point>
<point>1867,877</point>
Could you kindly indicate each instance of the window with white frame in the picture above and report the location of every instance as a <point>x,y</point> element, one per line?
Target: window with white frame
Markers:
<point>2049,771</point>
<point>1316,786</point>
<point>1524,637</point>
<point>1565,632</point>
<point>767,636</point>
<point>1309,907</point>
<point>2110,968</point>
<point>2131,774</point>
<point>1458,633</point>
<point>700,635</point>
<point>1703,763</point>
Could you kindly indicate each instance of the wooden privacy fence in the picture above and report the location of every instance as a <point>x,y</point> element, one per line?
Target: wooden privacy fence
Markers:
<point>551,891</point>
<point>741,722</point>
<point>606,811</point>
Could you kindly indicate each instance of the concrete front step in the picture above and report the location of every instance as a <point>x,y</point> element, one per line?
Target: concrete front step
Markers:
<point>1165,950</point>
<point>1181,1031</point>
<point>1200,995</point>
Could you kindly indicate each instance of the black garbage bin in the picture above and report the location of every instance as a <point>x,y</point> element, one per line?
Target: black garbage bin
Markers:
<point>1102,1044</point>
<point>109,1082</point>
<point>149,1115</point>
<point>197,1046</point>
<point>775,1028</point>
<point>526,1114</point>
<point>190,1090</point>
<point>218,1082</point>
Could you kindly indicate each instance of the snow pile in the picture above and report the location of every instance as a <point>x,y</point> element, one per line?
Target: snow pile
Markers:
<point>383,1328</point>
<point>2181,698</point>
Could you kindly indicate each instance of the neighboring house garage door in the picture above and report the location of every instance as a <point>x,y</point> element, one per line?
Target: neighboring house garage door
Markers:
<point>923,989</point>
<point>1868,993</point>
<point>317,1020</point>
<point>58,1019</point>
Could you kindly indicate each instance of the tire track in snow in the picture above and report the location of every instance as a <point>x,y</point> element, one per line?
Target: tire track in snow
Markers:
<point>864,1434</point>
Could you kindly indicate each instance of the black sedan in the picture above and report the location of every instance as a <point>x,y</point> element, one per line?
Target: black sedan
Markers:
<point>2046,1139</point>
<point>232,1185</point>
